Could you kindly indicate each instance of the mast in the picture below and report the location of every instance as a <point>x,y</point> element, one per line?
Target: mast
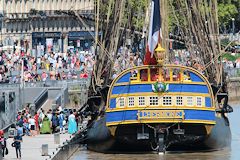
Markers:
<point>114,19</point>
<point>198,24</point>
<point>97,24</point>
<point>164,26</point>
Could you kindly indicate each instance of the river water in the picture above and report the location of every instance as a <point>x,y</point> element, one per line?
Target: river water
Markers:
<point>228,154</point>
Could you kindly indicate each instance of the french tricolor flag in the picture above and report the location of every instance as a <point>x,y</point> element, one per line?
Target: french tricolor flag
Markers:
<point>154,33</point>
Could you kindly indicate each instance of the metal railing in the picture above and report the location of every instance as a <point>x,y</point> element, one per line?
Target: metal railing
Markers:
<point>232,72</point>
<point>61,98</point>
<point>231,37</point>
<point>9,85</point>
<point>64,86</point>
<point>39,101</point>
<point>48,83</point>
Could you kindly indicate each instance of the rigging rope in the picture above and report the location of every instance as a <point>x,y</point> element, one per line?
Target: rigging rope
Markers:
<point>219,55</point>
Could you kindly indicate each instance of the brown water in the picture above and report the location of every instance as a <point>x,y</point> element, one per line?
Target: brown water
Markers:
<point>228,154</point>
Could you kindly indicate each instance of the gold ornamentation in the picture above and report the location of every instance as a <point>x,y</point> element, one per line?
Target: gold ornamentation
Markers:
<point>159,54</point>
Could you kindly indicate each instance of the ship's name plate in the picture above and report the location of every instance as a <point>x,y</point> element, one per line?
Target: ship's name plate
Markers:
<point>161,114</point>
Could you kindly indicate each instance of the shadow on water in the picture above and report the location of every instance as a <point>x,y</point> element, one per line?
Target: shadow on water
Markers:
<point>226,154</point>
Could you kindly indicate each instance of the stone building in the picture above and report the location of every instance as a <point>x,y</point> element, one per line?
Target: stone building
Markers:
<point>37,26</point>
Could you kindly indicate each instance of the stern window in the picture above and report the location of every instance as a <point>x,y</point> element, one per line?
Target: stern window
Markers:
<point>121,102</point>
<point>166,74</point>
<point>167,101</point>
<point>144,75</point>
<point>134,74</point>
<point>131,101</point>
<point>199,101</point>
<point>189,101</point>
<point>141,101</point>
<point>179,101</point>
<point>186,76</point>
<point>154,74</point>
<point>153,101</point>
<point>176,74</point>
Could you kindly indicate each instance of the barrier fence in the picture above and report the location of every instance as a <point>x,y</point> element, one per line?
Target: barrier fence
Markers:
<point>232,72</point>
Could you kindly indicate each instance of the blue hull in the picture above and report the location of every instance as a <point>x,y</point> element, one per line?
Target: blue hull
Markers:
<point>100,139</point>
<point>220,136</point>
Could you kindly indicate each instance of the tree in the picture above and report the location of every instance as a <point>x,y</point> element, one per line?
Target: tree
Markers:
<point>225,14</point>
<point>227,9</point>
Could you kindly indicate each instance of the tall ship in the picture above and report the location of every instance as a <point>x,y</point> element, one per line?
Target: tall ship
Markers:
<point>160,107</point>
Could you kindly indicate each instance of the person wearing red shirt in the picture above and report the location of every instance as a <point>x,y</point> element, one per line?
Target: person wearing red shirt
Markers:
<point>36,118</point>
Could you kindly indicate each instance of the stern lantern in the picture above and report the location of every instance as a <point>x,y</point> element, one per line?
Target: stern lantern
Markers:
<point>160,54</point>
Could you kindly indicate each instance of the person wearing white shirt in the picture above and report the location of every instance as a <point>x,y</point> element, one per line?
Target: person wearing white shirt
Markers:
<point>31,122</point>
<point>49,115</point>
<point>60,108</point>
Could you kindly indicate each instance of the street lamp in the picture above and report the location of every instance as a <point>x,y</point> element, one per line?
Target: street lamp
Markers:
<point>1,20</point>
<point>233,25</point>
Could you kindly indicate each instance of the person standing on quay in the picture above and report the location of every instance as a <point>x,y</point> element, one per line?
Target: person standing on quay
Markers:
<point>3,143</point>
<point>17,144</point>
<point>36,118</point>
<point>46,126</point>
<point>72,125</point>
<point>61,120</point>
<point>54,122</point>
<point>32,127</point>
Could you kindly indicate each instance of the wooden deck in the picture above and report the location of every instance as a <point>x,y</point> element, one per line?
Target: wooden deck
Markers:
<point>32,147</point>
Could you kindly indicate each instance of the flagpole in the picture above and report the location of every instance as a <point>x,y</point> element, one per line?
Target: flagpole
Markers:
<point>159,35</point>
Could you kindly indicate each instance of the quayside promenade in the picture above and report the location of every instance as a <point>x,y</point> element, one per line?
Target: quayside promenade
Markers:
<point>55,102</point>
<point>32,146</point>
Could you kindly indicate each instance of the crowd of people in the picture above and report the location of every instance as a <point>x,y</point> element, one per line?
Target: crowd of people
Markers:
<point>231,64</point>
<point>50,122</point>
<point>125,60</point>
<point>76,65</point>
<point>54,66</point>
<point>43,122</point>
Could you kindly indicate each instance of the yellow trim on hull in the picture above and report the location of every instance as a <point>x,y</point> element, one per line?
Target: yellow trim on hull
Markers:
<point>160,108</point>
<point>208,129</point>
<point>161,121</point>
<point>159,94</point>
<point>152,82</point>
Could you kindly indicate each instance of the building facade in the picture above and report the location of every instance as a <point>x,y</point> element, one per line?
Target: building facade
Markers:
<point>38,26</point>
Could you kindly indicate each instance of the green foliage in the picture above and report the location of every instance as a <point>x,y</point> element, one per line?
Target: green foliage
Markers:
<point>227,9</point>
<point>134,12</point>
<point>138,10</point>
<point>226,12</point>
<point>229,57</point>
<point>173,16</point>
<point>225,41</point>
